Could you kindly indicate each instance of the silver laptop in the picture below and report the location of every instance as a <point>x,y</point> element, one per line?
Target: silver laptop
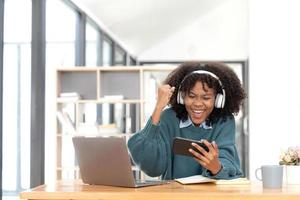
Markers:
<point>105,161</point>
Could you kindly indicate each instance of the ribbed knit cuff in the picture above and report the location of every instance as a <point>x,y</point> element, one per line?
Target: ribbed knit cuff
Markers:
<point>222,174</point>
<point>151,130</point>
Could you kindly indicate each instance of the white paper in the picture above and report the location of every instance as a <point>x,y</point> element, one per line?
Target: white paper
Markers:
<point>194,179</point>
<point>203,179</point>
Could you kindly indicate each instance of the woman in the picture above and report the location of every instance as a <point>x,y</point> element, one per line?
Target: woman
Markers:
<point>202,99</point>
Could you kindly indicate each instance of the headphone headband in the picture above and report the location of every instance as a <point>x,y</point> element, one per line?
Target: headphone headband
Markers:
<point>206,72</point>
<point>202,72</point>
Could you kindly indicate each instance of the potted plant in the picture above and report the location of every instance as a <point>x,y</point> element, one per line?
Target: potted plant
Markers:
<point>291,159</point>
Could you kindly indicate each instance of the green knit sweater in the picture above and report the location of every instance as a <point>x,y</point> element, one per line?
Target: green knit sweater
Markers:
<point>151,148</point>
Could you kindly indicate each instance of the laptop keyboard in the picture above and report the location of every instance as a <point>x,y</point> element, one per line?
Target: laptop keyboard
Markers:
<point>148,182</point>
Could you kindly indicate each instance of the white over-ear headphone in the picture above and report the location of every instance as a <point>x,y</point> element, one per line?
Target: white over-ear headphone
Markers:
<point>220,98</point>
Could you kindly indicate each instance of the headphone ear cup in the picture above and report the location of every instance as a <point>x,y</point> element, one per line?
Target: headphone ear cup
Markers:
<point>179,98</point>
<point>223,101</point>
<point>219,101</point>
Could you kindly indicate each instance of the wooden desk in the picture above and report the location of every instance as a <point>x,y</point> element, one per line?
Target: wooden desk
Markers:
<point>174,191</point>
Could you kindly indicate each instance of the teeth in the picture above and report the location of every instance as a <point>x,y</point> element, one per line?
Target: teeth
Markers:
<point>198,111</point>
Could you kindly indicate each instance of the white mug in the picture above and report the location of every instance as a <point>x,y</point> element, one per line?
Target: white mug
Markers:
<point>271,175</point>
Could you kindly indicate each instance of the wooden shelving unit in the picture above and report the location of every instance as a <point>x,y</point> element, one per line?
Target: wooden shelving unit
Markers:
<point>131,88</point>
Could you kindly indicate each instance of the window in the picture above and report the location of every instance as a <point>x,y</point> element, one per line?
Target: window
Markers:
<point>16,96</point>
<point>107,52</point>
<point>60,51</point>
<point>132,61</point>
<point>60,34</point>
<point>120,56</point>
<point>91,45</point>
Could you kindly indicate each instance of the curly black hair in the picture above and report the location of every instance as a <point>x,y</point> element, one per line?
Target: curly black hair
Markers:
<point>235,93</point>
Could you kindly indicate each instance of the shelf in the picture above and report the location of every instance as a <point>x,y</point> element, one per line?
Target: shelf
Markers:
<point>111,101</point>
<point>77,69</point>
<point>118,82</point>
<point>120,96</point>
<point>118,68</point>
<point>62,101</point>
<point>96,135</point>
<point>124,69</point>
<point>82,82</point>
<point>75,168</point>
<point>101,101</point>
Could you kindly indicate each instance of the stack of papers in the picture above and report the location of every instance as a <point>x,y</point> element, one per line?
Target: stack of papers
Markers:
<point>203,179</point>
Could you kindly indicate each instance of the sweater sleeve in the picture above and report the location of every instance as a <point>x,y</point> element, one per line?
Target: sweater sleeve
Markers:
<point>228,155</point>
<point>150,148</point>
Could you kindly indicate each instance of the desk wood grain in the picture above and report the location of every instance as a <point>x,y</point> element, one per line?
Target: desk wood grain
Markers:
<point>78,191</point>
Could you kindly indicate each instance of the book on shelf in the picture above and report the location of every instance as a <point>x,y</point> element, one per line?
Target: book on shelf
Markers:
<point>98,130</point>
<point>135,113</point>
<point>112,113</point>
<point>69,96</point>
<point>87,129</point>
<point>90,114</point>
<point>66,117</point>
<point>109,130</point>
<point>202,179</point>
<point>127,128</point>
<point>123,115</point>
<point>131,118</point>
<point>66,122</point>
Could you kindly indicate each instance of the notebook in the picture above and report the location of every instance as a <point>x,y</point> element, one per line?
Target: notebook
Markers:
<point>201,179</point>
<point>105,161</point>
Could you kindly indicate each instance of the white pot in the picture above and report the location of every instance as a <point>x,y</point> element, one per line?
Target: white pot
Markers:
<point>292,174</point>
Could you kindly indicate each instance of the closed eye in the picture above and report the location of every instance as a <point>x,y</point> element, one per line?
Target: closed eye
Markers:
<point>192,96</point>
<point>207,97</point>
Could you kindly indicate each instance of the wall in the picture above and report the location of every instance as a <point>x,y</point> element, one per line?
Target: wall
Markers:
<point>274,79</point>
<point>220,35</point>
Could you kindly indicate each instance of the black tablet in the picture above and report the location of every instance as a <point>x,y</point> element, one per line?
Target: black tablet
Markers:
<point>181,146</point>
